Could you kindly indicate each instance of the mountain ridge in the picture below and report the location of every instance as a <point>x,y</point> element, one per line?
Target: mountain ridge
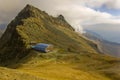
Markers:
<point>31,24</point>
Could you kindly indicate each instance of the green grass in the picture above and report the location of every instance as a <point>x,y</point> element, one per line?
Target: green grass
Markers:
<point>11,74</point>
<point>59,65</point>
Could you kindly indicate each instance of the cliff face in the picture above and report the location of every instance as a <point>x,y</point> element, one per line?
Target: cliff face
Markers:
<point>34,25</point>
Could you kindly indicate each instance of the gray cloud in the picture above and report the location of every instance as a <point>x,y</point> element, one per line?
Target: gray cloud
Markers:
<point>112,4</point>
<point>9,9</point>
<point>75,11</point>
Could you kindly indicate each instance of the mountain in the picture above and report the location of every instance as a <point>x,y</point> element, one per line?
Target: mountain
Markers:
<point>73,57</point>
<point>105,46</point>
<point>92,35</point>
<point>33,25</point>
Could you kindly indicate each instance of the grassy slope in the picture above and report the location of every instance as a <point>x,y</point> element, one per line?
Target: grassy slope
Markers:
<point>68,66</point>
<point>74,58</point>
<point>11,74</point>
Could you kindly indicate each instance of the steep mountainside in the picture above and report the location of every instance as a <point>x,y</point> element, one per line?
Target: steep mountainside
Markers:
<point>105,46</point>
<point>73,58</point>
<point>33,25</point>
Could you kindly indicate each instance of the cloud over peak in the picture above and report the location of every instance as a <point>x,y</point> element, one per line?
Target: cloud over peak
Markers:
<point>76,12</point>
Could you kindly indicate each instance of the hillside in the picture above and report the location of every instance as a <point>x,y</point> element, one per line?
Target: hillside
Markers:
<point>10,74</point>
<point>73,58</point>
<point>33,25</point>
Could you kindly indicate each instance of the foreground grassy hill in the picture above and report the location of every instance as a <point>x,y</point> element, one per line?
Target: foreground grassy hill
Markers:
<point>74,58</point>
<point>10,74</point>
<point>68,66</point>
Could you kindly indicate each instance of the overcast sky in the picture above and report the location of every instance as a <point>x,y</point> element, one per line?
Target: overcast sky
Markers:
<point>76,12</point>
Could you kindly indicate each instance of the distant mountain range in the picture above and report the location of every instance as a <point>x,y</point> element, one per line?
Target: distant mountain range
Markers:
<point>108,31</point>
<point>111,48</point>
